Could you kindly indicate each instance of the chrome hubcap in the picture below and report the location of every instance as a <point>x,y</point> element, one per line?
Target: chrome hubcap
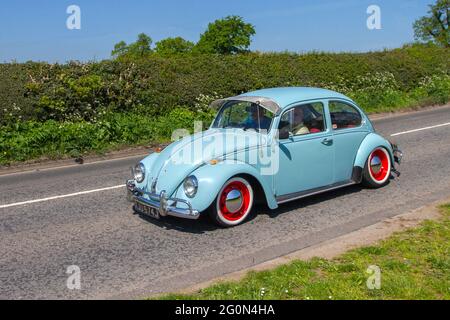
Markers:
<point>234,201</point>
<point>375,164</point>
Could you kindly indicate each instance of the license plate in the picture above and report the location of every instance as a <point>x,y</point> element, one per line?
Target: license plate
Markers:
<point>146,210</point>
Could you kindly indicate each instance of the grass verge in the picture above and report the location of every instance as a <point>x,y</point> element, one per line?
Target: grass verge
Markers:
<point>414,264</point>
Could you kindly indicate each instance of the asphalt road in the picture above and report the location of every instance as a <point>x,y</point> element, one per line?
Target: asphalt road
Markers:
<point>121,255</point>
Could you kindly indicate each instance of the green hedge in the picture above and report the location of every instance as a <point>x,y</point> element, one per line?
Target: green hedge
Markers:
<point>85,91</point>
<point>32,139</point>
<point>59,110</point>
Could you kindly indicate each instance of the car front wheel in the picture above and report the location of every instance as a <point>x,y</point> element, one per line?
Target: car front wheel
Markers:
<point>378,168</point>
<point>233,203</point>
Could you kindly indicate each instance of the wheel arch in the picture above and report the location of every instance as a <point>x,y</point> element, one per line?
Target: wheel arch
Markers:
<point>258,190</point>
<point>371,142</point>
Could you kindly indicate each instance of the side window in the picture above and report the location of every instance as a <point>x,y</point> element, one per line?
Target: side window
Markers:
<point>302,120</point>
<point>344,116</point>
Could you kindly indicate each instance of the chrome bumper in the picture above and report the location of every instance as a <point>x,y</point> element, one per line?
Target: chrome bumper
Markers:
<point>398,154</point>
<point>160,202</point>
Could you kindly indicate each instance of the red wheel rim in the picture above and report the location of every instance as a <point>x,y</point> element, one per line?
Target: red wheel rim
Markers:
<point>381,174</point>
<point>242,210</point>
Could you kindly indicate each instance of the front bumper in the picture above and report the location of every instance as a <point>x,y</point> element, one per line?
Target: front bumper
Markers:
<point>160,202</point>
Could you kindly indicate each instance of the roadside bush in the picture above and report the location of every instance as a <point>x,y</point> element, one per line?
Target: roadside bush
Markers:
<point>59,110</point>
<point>433,89</point>
<point>379,92</point>
<point>156,85</point>
<point>32,139</point>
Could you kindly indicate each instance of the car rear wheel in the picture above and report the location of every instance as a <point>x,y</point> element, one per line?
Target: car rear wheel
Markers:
<point>378,168</point>
<point>233,203</point>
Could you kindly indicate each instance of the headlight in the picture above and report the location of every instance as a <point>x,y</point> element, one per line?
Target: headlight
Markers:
<point>139,172</point>
<point>190,186</point>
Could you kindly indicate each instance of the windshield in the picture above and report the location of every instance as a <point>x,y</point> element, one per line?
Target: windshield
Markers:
<point>243,115</point>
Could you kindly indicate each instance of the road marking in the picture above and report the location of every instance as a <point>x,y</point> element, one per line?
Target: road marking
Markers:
<point>420,129</point>
<point>3,206</point>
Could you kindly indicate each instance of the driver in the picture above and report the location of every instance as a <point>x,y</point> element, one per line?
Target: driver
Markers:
<point>257,113</point>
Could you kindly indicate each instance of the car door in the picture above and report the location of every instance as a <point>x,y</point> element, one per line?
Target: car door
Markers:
<point>306,151</point>
<point>349,130</point>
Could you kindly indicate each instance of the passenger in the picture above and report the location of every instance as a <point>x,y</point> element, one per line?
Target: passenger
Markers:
<point>299,127</point>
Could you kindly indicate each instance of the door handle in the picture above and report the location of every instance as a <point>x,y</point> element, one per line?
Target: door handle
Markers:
<point>327,141</point>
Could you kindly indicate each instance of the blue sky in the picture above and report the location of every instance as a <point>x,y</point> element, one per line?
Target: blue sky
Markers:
<point>36,30</point>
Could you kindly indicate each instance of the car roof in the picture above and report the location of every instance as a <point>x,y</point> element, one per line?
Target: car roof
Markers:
<point>289,95</point>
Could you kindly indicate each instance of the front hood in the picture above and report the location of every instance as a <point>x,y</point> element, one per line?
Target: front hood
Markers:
<point>181,158</point>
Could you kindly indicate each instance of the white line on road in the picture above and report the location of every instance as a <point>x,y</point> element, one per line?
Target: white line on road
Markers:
<point>3,206</point>
<point>420,129</point>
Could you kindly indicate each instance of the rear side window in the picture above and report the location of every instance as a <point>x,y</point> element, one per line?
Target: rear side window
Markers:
<point>344,116</point>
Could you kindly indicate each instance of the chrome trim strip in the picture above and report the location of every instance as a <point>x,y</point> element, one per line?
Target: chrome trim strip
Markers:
<point>307,193</point>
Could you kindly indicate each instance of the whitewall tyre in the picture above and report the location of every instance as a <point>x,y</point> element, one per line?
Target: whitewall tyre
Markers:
<point>378,168</point>
<point>233,203</point>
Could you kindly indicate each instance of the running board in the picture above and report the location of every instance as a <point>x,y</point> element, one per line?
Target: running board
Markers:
<point>307,193</point>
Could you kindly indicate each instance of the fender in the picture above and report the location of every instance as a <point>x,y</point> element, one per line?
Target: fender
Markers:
<point>370,142</point>
<point>211,179</point>
<point>148,163</point>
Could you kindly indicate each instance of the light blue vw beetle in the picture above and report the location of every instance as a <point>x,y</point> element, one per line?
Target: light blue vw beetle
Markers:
<point>270,146</point>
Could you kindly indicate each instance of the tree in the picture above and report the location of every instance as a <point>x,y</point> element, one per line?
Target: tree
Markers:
<point>435,26</point>
<point>119,49</point>
<point>229,35</point>
<point>142,46</point>
<point>139,49</point>
<point>172,46</point>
